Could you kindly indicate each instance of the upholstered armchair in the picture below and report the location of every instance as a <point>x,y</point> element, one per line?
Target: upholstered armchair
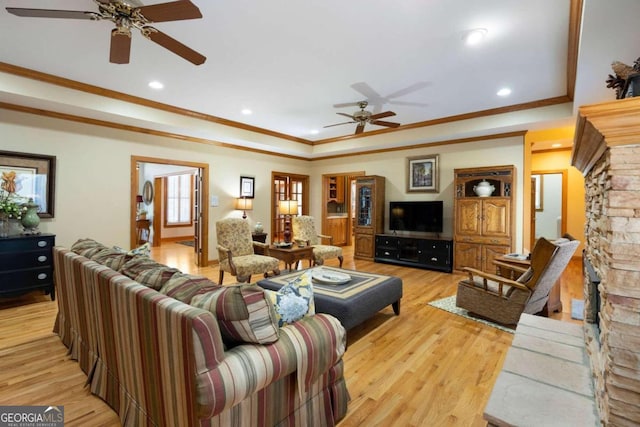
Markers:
<point>503,299</point>
<point>305,230</point>
<point>235,251</point>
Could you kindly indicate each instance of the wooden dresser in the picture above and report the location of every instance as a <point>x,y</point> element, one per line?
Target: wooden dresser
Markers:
<point>26,264</point>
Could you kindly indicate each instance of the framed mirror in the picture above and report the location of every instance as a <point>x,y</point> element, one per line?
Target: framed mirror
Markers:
<point>147,192</point>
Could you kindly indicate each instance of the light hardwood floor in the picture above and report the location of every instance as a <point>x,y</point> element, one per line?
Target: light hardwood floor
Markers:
<point>425,367</point>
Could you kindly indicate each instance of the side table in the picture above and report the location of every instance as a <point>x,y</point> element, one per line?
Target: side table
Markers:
<point>292,255</point>
<point>259,237</point>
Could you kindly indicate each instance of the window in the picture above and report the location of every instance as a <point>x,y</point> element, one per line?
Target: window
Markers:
<point>178,202</point>
<point>287,187</point>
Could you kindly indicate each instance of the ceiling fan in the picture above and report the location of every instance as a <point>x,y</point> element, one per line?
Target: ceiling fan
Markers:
<point>127,15</point>
<point>363,117</point>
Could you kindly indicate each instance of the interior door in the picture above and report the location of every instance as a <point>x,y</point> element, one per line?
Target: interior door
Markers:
<point>197,219</point>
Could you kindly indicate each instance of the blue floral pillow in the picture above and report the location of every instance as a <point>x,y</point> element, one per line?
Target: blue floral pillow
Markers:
<point>294,300</point>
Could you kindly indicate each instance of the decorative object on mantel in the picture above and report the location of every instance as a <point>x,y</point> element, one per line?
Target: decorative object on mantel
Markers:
<point>626,81</point>
<point>30,219</point>
<point>484,189</point>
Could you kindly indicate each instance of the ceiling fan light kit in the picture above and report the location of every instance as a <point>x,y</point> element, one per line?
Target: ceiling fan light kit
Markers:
<point>126,17</point>
<point>363,117</point>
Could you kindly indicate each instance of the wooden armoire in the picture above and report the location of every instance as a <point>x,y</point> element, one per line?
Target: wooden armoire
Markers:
<point>484,226</point>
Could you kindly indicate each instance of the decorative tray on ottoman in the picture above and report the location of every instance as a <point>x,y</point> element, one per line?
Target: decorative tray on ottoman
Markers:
<point>326,277</point>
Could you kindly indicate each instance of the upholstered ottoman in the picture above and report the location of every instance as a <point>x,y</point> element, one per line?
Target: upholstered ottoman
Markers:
<point>353,302</point>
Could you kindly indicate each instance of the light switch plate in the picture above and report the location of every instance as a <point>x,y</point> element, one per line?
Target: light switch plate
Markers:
<point>214,201</point>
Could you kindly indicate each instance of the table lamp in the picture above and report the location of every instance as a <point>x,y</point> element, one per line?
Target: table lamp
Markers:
<point>288,208</point>
<point>243,204</point>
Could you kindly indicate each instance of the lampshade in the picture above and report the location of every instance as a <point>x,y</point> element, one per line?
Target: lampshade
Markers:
<point>244,204</point>
<point>288,207</point>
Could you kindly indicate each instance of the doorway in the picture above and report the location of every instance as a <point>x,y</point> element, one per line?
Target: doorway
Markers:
<point>200,202</point>
<point>338,206</point>
<point>549,204</point>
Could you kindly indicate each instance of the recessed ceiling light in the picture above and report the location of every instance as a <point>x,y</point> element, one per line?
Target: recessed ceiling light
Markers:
<point>556,145</point>
<point>246,111</point>
<point>314,131</point>
<point>156,85</point>
<point>475,36</point>
<point>505,91</point>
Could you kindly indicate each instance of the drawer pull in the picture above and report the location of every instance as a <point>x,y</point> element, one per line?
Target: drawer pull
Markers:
<point>42,276</point>
<point>42,258</point>
<point>387,253</point>
<point>434,259</point>
<point>42,243</point>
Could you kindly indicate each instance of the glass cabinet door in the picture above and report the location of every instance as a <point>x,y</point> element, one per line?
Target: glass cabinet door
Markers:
<point>364,205</point>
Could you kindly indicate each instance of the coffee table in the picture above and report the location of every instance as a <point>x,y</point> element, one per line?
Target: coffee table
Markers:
<point>292,254</point>
<point>353,302</point>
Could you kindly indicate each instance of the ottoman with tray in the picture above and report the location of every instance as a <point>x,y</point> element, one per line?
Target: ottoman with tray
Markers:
<point>350,296</point>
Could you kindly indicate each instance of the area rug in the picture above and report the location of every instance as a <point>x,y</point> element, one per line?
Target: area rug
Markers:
<point>577,309</point>
<point>186,242</point>
<point>449,304</point>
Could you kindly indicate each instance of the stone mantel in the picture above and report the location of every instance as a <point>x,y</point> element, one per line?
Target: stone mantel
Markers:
<point>604,125</point>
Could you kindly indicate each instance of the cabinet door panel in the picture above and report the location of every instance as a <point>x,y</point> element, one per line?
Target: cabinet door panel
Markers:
<point>467,255</point>
<point>468,217</point>
<point>364,245</point>
<point>496,214</point>
<point>489,253</point>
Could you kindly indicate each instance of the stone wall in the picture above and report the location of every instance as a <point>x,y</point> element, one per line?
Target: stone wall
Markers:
<point>613,248</point>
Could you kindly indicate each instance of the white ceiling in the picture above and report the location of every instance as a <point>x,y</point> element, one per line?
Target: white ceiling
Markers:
<point>291,61</point>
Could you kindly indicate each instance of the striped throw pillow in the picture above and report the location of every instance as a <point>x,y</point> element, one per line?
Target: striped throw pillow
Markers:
<point>243,312</point>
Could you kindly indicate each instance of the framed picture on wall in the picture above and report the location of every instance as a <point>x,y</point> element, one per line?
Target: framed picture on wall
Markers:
<point>246,187</point>
<point>422,174</point>
<point>30,176</point>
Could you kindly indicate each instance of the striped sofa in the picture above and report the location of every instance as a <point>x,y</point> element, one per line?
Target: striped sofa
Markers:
<point>158,361</point>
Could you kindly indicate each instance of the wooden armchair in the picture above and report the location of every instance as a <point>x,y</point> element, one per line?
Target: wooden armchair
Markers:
<point>236,254</point>
<point>304,230</point>
<point>502,299</point>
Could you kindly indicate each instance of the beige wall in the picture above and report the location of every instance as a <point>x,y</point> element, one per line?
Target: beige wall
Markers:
<point>92,195</point>
<point>561,160</point>
<point>93,173</point>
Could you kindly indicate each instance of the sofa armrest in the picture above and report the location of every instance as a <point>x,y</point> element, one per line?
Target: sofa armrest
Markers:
<point>310,346</point>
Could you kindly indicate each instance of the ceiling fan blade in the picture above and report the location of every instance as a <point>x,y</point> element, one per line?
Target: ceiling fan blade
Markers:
<point>382,115</point>
<point>383,123</point>
<point>174,45</point>
<point>359,128</point>
<point>172,11</point>
<point>50,13</point>
<point>346,115</point>
<point>409,103</point>
<point>120,47</point>
<point>338,124</point>
<point>366,90</point>
<point>407,90</point>
<point>346,104</point>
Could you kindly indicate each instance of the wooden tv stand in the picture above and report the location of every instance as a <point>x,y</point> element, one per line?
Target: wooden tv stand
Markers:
<point>432,253</point>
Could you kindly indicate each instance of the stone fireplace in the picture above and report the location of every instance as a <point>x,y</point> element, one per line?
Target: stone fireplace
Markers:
<point>607,151</point>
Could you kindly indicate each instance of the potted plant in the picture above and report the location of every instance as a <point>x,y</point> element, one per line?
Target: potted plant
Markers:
<point>11,205</point>
<point>142,214</point>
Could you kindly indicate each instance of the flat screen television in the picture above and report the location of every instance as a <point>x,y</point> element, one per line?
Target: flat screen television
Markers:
<point>425,216</point>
